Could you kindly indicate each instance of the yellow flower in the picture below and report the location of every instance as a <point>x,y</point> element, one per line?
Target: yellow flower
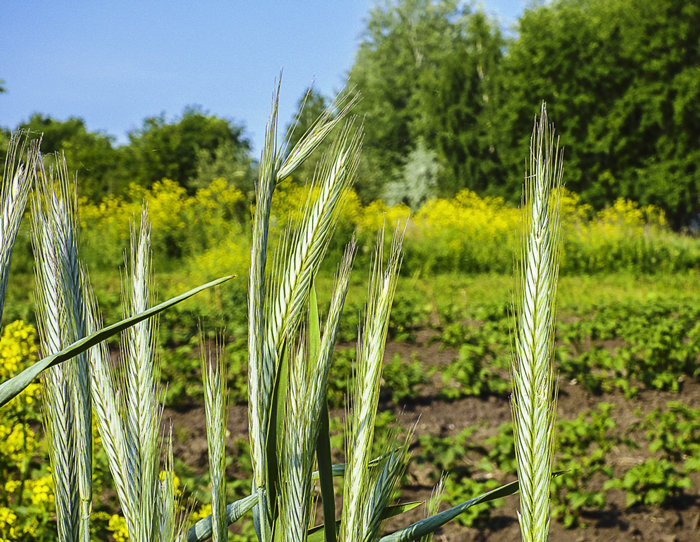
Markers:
<point>117,525</point>
<point>202,513</point>
<point>41,491</point>
<point>12,485</point>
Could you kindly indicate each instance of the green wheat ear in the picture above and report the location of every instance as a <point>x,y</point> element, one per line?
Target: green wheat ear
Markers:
<point>215,403</point>
<point>61,319</point>
<point>20,163</point>
<point>534,394</point>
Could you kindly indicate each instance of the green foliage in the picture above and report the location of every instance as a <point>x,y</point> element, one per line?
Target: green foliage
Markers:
<point>471,374</point>
<point>483,360</point>
<point>183,359</point>
<point>655,482</point>
<point>230,161</point>
<point>446,454</point>
<point>675,431</point>
<point>417,179</point>
<point>458,98</point>
<point>192,150</point>
<point>619,81</point>
<point>460,491</point>
<point>582,447</point>
<point>427,71</point>
<point>451,456</point>
<point>92,154</point>
<point>656,346</point>
<point>401,380</point>
<point>181,146</point>
<point>400,42</point>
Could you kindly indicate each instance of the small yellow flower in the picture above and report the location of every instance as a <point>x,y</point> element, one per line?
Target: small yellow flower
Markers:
<point>117,525</point>
<point>12,485</point>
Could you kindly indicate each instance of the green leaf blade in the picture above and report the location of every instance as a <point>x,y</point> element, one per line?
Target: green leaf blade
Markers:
<point>15,385</point>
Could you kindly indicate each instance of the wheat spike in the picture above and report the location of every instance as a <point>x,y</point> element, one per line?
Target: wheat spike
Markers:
<point>14,191</point>
<point>365,392</point>
<point>297,448</point>
<point>432,505</point>
<point>321,366</point>
<point>534,397</point>
<point>260,373</point>
<point>382,483</point>
<point>316,134</point>
<point>109,419</point>
<point>300,254</point>
<point>275,309</point>
<point>170,526</point>
<point>62,321</point>
<point>305,398</point>
<point>215,393</point>
<point>141,403</point>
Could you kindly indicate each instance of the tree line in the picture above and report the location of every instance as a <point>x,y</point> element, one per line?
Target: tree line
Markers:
<point>447,100</point>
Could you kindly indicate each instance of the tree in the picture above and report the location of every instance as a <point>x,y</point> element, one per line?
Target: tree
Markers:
<point>623,86</point>
<point>91,154</point>
<point>417,180</point>
<point>231,162</point>
<point>458,98</point>
<point>173,150</point>
<point>401,41</point>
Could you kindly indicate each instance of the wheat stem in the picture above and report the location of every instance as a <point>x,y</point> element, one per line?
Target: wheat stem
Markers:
<point>141,403</point>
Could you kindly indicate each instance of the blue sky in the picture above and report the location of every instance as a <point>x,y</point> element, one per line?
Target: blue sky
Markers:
<point>115,63</point>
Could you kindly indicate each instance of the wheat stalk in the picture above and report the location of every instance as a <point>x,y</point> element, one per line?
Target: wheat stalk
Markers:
<point>297,448</point>
<point>316,134</point>
<point>322,364</point>
<point>260,373</point>
<point>308,378</point>
<point>170,526</point>
<point>357,514</point>
<point>533,401</point>
<point>300,254</point>
<point>142,405</point>
<point>62,321</point>
<point>109,420</point>
<point>382,484</point>
<point>275,305</point>
<point>215,393</point>
<point>128,420</point>
<point>14,191</point>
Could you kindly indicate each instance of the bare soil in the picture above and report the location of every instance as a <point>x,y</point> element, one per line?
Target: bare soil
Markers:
<point>677,523</point>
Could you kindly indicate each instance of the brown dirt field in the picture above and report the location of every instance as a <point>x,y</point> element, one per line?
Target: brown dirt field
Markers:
<point>678,523</point>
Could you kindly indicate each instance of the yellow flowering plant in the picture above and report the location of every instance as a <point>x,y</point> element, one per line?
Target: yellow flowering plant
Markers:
<point>26,489</point>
